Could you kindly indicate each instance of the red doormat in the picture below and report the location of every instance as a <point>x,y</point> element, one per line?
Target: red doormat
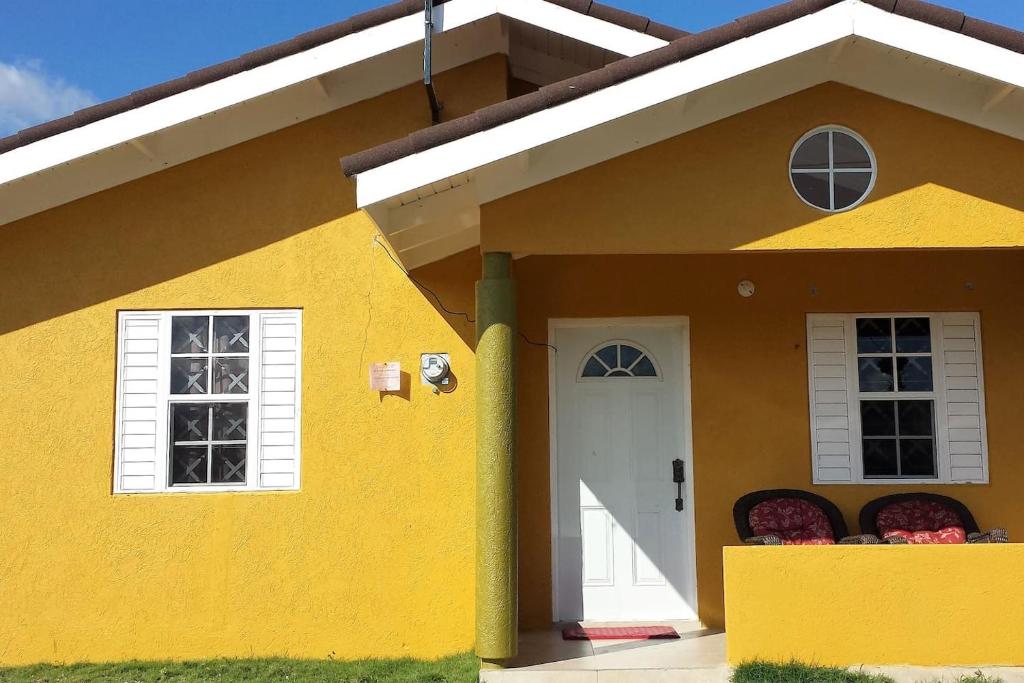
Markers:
<point>618,632</point>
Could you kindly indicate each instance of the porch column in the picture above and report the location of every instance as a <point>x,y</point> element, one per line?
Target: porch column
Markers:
<point>497,590</point>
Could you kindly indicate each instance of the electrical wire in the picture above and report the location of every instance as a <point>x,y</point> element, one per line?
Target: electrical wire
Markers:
<point>437,298</point>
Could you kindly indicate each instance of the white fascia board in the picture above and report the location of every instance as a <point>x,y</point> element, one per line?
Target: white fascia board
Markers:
<point>584,28</point>
<point>623,99</point>
<point>233,90</point>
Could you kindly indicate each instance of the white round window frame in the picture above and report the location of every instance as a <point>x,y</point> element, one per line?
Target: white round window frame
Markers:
<point>619,342</point>
<point>838,129</point>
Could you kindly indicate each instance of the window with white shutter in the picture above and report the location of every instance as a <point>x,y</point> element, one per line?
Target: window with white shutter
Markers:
<point>896,398</point>
<point>207,401</point>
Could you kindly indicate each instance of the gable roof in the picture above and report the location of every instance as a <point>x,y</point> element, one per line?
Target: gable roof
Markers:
<point>680,49</point>
<point>300,43</point>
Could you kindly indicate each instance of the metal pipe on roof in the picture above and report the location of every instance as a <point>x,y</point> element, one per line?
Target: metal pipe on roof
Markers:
<point>428,71</point>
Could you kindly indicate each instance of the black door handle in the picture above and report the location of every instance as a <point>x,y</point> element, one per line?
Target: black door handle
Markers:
<point>679,477</point>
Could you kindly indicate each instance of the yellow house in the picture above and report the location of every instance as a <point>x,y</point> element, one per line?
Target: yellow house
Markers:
<point>303,360</point>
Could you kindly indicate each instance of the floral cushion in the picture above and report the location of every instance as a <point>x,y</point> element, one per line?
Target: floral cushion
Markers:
<point>921,521</point>
<point>795,521</point>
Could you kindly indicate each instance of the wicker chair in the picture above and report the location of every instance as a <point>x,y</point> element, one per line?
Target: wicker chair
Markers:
<point>920,518</point>
<point>791,517</point>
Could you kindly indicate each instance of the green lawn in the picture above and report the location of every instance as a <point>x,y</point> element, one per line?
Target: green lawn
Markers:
<point>794,672</point>
<point>457,669</point>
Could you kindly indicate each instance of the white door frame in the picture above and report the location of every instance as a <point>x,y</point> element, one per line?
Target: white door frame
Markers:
<point>685,431</point>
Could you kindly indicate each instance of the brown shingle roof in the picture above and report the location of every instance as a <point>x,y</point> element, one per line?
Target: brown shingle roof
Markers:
<point>678,50</point>
<point>305,41</point>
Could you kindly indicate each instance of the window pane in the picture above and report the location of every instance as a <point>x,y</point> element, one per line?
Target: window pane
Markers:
<point>229,421</point>
<point>610,356</point>
<point>628,355</point>
<point>190,334</point>
<point>231,334</point>
<point>849,188</point>
<point>593,368</point>
<point>619,373</point>
<point>875,374</point>
<point>878,418</point>
<point>188,375</point>
<point>917,457</point>
<point>913,335</point>
<point>229,464</point>
<point>847,152</point>
<point>916,418</point>
<point>813,187</point>
<point>874,335</point>
<point>812,152</point>
<point>880,458</point>
<point>230,375</point>
<point>191,421</point>
<point>188,464</point>
<point>645,368</point>
<point>915,373</point>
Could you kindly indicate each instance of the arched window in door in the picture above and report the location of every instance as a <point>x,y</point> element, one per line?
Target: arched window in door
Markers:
<point>618,359</point>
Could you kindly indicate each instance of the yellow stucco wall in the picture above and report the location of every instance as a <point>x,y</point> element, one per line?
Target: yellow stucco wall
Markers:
<point>848,605</point>
<point>724,188</point>
<point>374,555</point>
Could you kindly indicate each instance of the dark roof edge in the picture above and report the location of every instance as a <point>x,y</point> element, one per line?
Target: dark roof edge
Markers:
<point>678,50</point>
<point>300,43</point>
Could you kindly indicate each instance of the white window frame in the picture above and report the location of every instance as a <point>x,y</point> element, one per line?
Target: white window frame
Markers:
<point>165,399</point>
<point>943,458</point>
<point>832,170</point>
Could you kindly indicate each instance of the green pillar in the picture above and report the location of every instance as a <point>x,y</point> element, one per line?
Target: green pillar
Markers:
<point>497,590</point>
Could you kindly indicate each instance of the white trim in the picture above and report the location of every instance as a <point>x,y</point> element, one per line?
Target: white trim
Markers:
<point>939,396</point>
<point>306,66</point>
<point>831,170</point>
<point>851,18</point>
<point>681,322</point>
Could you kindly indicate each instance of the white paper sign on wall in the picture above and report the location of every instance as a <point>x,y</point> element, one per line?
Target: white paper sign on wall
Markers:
<point>385,376</point>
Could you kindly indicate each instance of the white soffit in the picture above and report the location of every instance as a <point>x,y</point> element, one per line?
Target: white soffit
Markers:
<point>776,62</point>
<point>111,151</point>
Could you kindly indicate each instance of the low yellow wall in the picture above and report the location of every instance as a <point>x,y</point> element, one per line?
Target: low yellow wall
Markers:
<point>844,605</point>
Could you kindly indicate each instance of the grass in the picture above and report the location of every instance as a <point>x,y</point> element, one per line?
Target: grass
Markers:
<point>795,672</point>
<point>457,669</point>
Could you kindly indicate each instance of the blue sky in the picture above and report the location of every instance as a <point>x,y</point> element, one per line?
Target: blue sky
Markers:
<point>60,55</point>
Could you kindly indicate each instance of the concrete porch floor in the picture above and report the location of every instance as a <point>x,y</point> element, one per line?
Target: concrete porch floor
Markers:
<point>698,656</point>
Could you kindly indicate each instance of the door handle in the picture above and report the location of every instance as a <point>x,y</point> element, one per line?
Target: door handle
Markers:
<point>679,478</point>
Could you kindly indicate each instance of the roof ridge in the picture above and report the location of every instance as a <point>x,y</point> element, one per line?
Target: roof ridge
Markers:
<point>678,50</point>
<point>291,46</point>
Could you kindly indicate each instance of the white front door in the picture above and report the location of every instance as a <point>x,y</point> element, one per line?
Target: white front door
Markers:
<point>624,552</point>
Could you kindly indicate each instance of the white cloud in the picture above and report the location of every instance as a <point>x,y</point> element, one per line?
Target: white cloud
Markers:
<point>29,95</point>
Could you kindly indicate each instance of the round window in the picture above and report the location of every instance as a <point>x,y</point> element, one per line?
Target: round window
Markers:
<point>832,168</point>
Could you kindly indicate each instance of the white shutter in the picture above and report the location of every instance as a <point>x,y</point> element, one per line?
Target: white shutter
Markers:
<point>279,398</point>
<point>138,415</point>
<point>963,397</point>
<point>827,356</point>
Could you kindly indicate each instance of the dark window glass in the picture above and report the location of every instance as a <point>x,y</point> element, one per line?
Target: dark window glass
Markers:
<point>915,418</point>
<point>609,355</point>
<point>812,152</point>
<point>880,458</point>
<point>593,368</point>
<point>813,187</point>
<point>628,355</point>
<point>229,421</point>
<point>875,374</point>
<point>874,335</point>
<point>847,152</point>
<point>913,335</point>
<point>189,376</point>
<point>619,373</point>
<point>231,334</point>
<point>645,368</point>
<point>230,375</point>
<point>190,334</point>
<point>915,373</point>
<point>849,188</point>
<point>917,457</point>
<point>878,418</point>
<point>228,465</point>
<point>191,421</point>
<point>188,465</point>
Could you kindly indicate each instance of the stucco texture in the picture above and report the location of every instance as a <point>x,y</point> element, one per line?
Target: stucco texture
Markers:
<point>374,556</point>
<point>724,189</point>
<point>952,605</point>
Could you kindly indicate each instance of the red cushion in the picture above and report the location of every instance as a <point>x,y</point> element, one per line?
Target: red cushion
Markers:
<point>949,534</point>
<point>794,520</point>
<point>916,515</point>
